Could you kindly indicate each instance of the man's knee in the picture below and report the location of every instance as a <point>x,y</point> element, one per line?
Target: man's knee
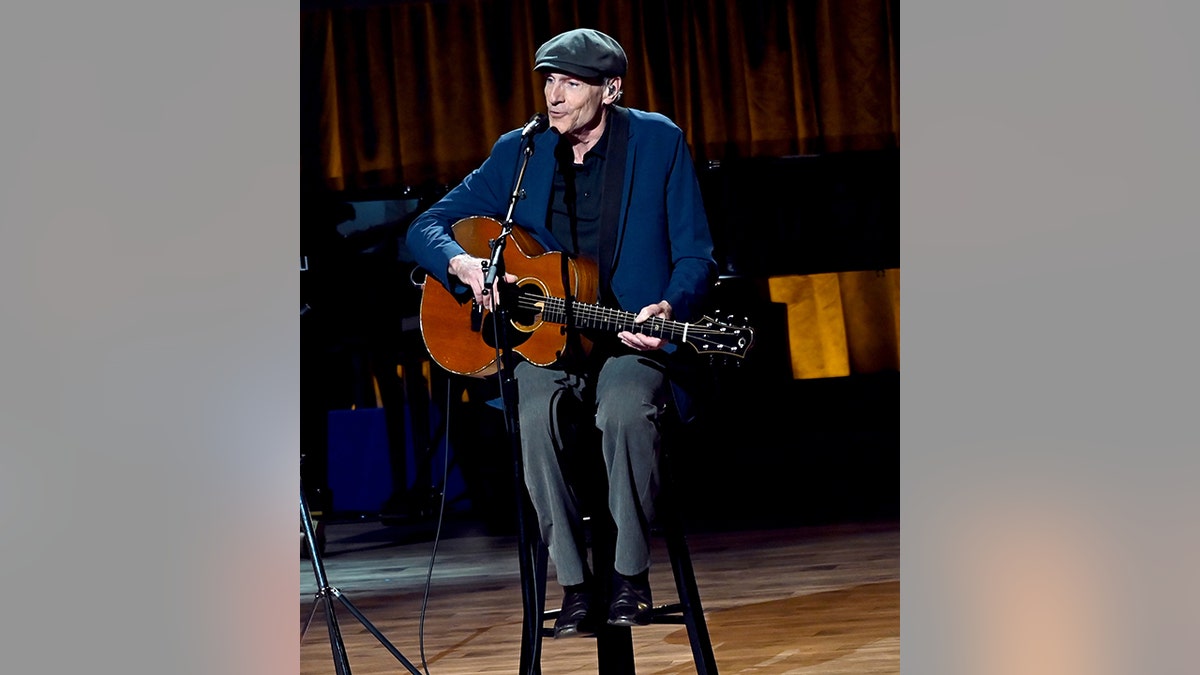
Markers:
<point>625,412</point>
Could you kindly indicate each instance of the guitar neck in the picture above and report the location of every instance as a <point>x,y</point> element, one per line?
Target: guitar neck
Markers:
<point>597,317</point>
<point>705,336</point>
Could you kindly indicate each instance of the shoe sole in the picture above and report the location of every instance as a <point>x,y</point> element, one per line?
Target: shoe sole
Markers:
<point>627,623</point>
<point>572,632</point>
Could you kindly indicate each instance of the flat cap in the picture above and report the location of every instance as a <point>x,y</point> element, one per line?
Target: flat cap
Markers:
<point>583,52</point>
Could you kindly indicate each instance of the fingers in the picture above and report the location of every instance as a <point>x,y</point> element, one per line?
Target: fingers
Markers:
<point>639,342</point>
<point>642,342</point>
<point>662,309</point>
<point>473,273</point>
<point>491,300</point>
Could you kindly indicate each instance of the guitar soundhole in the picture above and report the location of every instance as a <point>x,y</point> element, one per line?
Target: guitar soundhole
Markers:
<point>525,310</point>
<point>523,303</point>
<point>515,336</point>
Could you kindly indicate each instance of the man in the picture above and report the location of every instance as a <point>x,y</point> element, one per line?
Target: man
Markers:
<point>616,186</point>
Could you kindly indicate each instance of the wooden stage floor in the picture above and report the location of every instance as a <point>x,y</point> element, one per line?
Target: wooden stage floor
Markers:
<point>786,601</point>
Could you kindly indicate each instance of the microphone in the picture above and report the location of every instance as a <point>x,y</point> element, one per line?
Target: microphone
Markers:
<point>536,124</point>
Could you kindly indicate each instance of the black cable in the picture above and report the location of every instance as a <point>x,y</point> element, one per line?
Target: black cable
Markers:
<point>437,536</point>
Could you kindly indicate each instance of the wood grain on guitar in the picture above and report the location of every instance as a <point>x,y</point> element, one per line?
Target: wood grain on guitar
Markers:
<point>539,310</point>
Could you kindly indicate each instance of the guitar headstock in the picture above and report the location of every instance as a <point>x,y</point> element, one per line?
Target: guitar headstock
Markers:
<point>725,338</point>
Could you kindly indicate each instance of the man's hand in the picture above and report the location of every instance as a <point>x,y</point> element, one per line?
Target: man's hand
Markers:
<point>469,270</point>
<point>646,343</point>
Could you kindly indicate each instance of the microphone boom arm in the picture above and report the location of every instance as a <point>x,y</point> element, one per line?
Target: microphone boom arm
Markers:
<point>538,123</point>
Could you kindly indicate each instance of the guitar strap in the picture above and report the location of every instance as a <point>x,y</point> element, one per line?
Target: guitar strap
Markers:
<point>610,206</point>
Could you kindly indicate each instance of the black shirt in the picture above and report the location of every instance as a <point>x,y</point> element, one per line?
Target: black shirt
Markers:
<point>575,203</point>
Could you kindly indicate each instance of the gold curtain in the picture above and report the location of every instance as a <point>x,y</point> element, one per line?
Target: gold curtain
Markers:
<point>841,323</point>
<point>414,92</point>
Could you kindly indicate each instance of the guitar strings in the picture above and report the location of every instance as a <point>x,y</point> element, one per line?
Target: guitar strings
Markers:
<point>594,316</point>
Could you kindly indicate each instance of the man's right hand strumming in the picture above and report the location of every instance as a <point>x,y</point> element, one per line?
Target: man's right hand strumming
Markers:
<point>472,271</point>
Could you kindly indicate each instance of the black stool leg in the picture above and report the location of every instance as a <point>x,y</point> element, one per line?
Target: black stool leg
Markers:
<point>614,651</point>
<point>531,634</point>
<point>685,576</point>
<point>614,644</point>
<point>689,598</point>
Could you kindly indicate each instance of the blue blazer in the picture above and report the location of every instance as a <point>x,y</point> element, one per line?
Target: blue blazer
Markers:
<point>663,248</point>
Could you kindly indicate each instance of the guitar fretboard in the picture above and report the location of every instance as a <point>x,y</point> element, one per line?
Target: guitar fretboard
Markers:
<point>585,315</point>
<point>705,336</point>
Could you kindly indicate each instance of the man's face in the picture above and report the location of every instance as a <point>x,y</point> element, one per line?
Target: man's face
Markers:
<point>573,104</point>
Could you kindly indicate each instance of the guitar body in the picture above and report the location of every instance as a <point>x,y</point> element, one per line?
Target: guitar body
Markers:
<point>466,344</point>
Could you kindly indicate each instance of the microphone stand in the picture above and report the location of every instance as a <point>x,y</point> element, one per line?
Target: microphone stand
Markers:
<point>531,602</point>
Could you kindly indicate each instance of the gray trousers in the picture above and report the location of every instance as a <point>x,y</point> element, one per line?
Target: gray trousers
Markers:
<point>631,395</point>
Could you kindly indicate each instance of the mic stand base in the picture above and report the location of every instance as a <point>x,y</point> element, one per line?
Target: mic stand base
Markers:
<point>325,596</point>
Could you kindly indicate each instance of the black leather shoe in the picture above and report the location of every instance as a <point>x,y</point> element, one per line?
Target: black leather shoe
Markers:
<point>631,604</point>
<point>573,619</point>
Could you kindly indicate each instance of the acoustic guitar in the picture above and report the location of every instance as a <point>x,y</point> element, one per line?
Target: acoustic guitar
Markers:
<point>462,338</point>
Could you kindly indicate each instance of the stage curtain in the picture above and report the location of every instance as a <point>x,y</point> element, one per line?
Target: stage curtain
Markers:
<point>841,323</point>
<point>414,92</point>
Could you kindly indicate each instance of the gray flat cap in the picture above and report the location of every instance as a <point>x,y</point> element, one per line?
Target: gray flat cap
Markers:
<point>583,52</point>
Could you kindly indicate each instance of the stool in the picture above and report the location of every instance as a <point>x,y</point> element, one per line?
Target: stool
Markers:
<point>614,644</point>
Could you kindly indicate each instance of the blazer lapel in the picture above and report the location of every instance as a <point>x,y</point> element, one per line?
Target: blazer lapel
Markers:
<point>612,216</point>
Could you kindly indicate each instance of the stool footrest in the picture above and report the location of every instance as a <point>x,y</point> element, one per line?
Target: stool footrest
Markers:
<point>675,608</point>
<point>668,619</point>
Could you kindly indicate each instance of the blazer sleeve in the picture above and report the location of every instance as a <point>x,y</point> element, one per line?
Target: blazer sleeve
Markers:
<point>692,265</point>
<point>482,193</point>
